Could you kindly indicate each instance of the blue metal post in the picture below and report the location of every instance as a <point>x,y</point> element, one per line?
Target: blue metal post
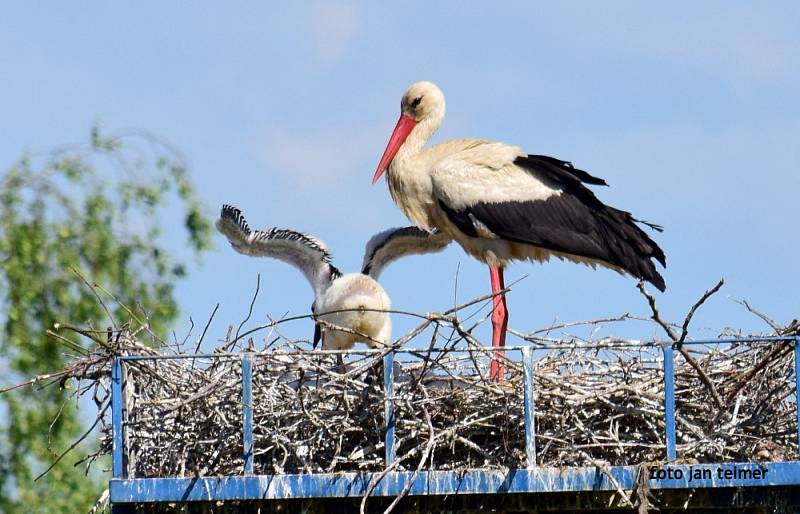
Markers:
<point>247,412</point>
<point>117,461</point>
<point>388,392</point>
<point>529,408</point>
<point>669,401</point>
<point>797,387</point>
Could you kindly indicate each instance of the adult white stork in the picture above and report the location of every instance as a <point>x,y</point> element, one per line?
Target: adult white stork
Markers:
<point>355,301</point>
<point>502,204</point>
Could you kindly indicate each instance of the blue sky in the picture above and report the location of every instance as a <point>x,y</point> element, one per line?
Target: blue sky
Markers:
<point>689,111</point>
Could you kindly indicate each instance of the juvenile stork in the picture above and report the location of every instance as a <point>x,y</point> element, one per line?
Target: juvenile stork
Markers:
<point>501,204</point>
<point>354,301</point>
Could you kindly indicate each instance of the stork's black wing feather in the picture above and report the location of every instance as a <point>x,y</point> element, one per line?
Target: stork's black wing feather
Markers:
<point>573,222</point>
<point>559,170</point>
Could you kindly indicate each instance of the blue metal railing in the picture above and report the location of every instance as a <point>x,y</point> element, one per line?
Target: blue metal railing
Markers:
<point>528,366</point>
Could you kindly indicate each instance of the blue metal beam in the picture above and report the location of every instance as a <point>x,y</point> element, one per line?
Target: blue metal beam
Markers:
<point>529,407</point>
<point>117,442</point>
<point>540,480</point>
<point>388,396</point>
<point>797,388</point>
<point>669,402</point>
<point>247,412</point>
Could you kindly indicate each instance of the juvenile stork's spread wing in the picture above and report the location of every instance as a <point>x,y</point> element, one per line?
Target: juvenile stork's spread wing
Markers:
<point>304,252</point>
<point>392,244</point>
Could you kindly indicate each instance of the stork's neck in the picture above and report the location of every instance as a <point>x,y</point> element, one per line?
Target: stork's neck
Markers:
<point>410,174</point>
<point>418,137</point>
<point>323,280</point>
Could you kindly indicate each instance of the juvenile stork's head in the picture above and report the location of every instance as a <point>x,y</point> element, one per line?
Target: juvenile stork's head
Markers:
<point>421,109</point>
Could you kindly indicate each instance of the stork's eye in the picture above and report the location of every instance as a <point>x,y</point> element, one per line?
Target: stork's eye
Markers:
<point>416,102</point>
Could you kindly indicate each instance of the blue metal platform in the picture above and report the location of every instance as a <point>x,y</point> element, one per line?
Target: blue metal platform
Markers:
<point>540,480</point>
<point>532,479</point>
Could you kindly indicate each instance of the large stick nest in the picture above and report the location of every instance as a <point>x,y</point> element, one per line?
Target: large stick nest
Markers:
<point>597,402</point>
<point>184,417</point>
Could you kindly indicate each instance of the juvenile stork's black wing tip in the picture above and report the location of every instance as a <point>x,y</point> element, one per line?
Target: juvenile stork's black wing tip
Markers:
<point>392,244</point>
<point>234,215</point>
<point>317,327</point>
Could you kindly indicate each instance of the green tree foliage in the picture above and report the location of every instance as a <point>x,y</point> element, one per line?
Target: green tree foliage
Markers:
<point>107,208</point>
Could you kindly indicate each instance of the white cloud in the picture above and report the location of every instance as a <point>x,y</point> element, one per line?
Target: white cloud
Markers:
<point>332,27</point>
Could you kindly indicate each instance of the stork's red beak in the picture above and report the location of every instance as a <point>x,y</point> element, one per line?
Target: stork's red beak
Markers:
<point>401,131</point>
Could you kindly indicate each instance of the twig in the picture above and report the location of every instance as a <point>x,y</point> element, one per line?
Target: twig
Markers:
<point>205,329</point>
<point>656,316</point>
<point>621,317</point>
<point>74,444</point>
<point>252,303</point>
<point>91,334</point>
<point>698,303</point>
<point>423,459</point>
<point>97,296</point>
<point>773,354</point>
<point>769,321</point>
<point>145,326</point>
<point>603,466</point>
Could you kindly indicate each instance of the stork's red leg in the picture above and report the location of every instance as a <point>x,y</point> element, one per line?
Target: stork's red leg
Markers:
<point>499,321</point>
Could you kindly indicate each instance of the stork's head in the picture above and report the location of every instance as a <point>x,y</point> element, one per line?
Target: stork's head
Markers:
<point>423,102</point>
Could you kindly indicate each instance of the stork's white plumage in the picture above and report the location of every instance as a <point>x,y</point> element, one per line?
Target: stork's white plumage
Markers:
<point>501,204</point>
<point>355,301</point>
